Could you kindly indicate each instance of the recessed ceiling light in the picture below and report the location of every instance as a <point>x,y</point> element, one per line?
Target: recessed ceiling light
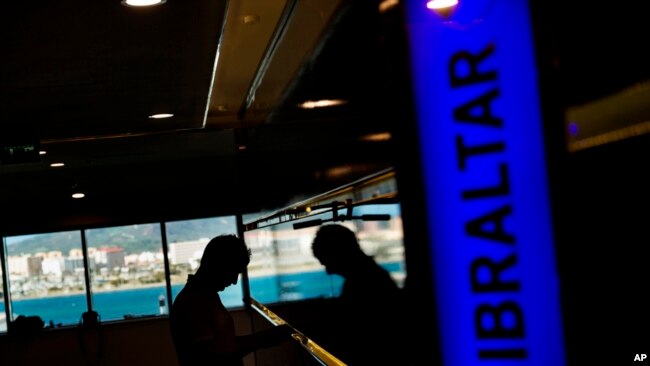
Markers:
<point>77,192</point>
<point>251,19</point>
<point>161,115</point>
<point>42,152</point>
<point>441,4</point>
<point>311,104</point>
<point>56,165</point>
<point>142,2</point>
<point>376,137</point>
<point>387,5</point>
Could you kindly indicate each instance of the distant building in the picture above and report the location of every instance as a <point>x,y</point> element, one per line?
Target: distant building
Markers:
<point>17,265</point>
<point>34,266</point>
<point>110,257</point>
<point>76,264</point>
<point>52,265</point>
<point>75,253</point>
<point>186,251</point>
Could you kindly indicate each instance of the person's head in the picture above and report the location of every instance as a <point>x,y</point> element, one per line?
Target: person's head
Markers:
<point>336,247</point>
<point>224,258</point>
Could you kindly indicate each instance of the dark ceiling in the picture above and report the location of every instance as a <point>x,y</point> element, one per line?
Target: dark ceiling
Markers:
<point>80,79</point>
<point>76,69</point>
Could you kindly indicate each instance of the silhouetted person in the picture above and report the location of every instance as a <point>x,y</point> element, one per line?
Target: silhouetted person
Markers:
<point>365,324</point>
<point>203,330</point>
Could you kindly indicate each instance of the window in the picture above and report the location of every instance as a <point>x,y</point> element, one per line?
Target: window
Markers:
<point>186,241</point>
<point>382,240</point>
<point>127,271</point>
<point>283,267</point>
<point>126,268</point>
<point>46,277</point>
<point>3,316</point>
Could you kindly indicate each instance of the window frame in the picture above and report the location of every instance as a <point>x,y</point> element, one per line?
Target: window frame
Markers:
<point>87,275</point>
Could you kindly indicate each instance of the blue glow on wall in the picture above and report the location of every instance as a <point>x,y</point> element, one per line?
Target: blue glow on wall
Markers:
<point>486,187</point>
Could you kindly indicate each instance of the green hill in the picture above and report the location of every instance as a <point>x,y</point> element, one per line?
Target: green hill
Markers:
<point>133,238</point>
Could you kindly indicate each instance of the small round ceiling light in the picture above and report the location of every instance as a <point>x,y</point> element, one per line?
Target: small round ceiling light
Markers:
<point>444,8</point>
<point>42,152</point>
<point>387,5</point>
<point>251,19</point>
<point>441,4</point>
<point>161,115</point>
<point>77,192</point>
<point>376,137</point>
<point>323,103</point>
<point>142,2</point>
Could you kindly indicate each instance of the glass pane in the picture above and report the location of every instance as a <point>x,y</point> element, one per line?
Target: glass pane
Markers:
<point>3,315</point>
<point>283,267</point>
<point>382,240</point>
<point>186,241</point>
<point>46,277</point>
<point>127,271</point>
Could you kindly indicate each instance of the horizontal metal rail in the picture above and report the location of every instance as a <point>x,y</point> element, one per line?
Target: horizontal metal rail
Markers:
<point>318,352</point>
<point>319,204</point>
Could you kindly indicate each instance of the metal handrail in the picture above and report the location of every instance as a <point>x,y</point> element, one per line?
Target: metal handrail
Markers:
<point>318,204</point>
<point>318,352</point>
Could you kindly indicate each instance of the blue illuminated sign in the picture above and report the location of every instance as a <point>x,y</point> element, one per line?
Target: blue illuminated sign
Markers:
<point>487,198</point>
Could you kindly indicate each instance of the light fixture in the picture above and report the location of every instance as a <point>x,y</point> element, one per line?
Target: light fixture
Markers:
<point>42,152</point>
<point>441,4</point>
<point>251,19</point>
<point>57,165</point>
<point>443,8</point>
<point>311,104</point>
<point>387,5</point>
<point>76,192</point>
<point>142,2</point>
<point>376,137</point>
<point>161,115</point>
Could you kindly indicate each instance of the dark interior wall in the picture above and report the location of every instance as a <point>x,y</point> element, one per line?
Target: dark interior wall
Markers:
<point>137,343</point>
<point>134,343</point>
<point>599,194</point>
<point>602,253</point>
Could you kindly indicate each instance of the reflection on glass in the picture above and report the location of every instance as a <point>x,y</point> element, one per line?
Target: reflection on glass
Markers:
<point>283,267</point>
<point>127,271</point>
<point>3,315</point>
<point>46,277</point>
<point>382,240</point>
<point>186,241</point>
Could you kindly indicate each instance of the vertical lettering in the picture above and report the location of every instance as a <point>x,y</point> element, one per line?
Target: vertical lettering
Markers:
<point>467,151</point>
<point>495,283</point>
<point>490,321</point>
<point>501,189</point>
<point>479,226</point>
<point>478,110</point>
<point>466,61</point>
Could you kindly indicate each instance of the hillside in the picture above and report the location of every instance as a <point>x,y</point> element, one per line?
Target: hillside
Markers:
<point>133,238</point>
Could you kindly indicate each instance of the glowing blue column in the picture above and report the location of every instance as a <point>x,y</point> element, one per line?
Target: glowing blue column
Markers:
<point>486,186</point>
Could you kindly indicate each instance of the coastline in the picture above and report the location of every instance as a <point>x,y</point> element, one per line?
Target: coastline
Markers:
<point>277,270</point>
